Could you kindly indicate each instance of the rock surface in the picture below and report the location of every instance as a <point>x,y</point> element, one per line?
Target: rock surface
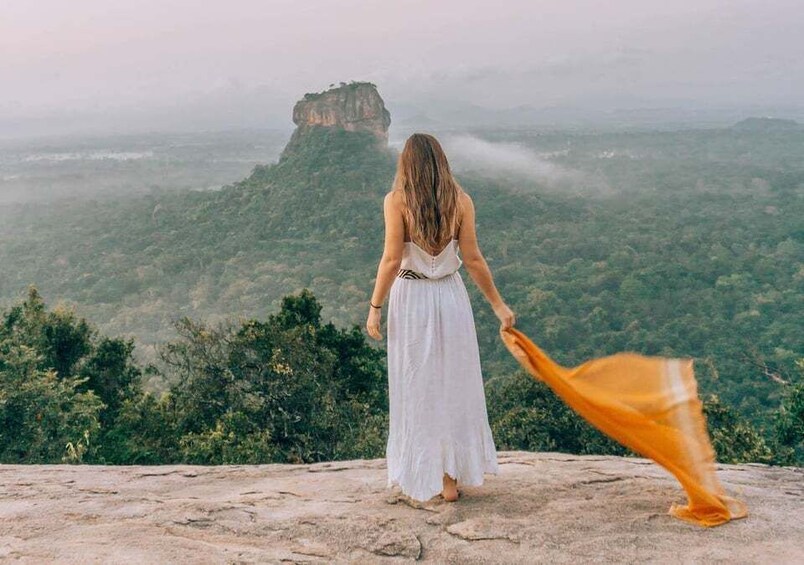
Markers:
<point>352,107</point>
<point>542,507</point>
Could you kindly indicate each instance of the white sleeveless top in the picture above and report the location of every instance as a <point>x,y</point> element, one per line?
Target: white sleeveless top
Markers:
<point>431,266</point>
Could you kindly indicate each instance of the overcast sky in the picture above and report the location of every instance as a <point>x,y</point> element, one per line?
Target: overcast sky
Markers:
<point>191,64</point>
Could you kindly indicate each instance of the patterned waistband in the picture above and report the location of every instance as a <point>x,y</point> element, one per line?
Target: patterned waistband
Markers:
<point>409,274</point>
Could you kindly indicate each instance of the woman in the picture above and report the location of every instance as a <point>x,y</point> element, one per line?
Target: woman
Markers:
<point>439,432</point>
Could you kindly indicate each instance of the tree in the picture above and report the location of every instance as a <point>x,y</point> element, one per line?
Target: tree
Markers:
<point>43,418</point>
<point>789,422</point>
<point>281,390</point>
<point>733,438</point>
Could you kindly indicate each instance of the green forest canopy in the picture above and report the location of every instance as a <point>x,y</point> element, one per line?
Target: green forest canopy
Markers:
<point>697,252</point>
<point>285,389</point>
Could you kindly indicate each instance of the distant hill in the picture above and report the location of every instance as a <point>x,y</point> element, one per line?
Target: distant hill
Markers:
<point>766,124</point>
<point>353,107</point>
<point>313,219</point>
<point>698,256</point>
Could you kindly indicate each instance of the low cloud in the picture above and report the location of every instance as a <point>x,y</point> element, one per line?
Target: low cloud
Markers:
<point>511,160</point>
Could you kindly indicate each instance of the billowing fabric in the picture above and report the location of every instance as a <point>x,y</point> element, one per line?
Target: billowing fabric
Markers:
<point>437,407</point>
<point>648,404</point>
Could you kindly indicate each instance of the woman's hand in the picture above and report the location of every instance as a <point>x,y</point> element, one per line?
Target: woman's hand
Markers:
<point>505,314</point>
<point>373,322</point>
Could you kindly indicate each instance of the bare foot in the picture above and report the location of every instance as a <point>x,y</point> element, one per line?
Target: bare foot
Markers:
<point>450,492</point>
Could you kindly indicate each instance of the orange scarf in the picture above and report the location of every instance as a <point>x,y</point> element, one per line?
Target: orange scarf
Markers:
<point>648,404</point>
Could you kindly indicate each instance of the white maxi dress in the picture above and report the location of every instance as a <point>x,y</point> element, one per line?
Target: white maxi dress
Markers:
<point>437,405</point>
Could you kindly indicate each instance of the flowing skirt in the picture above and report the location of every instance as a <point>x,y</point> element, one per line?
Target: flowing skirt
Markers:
<point>437,405</point>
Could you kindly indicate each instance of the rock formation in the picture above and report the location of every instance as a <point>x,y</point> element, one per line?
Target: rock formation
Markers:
<point>356,106</point>
<point>541,508</point>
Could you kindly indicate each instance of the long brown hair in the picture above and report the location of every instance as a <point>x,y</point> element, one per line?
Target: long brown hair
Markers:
<point>431,195</point>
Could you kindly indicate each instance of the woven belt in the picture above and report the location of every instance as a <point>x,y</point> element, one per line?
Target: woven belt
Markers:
<point>409,274</point>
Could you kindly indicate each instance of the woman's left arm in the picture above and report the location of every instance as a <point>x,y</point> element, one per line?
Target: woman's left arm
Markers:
<point>389,263</point>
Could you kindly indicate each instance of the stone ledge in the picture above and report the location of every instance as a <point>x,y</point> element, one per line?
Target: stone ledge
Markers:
<point>542,507</point>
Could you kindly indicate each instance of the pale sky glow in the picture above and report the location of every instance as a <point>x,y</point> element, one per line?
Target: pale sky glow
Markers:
<point>185,64</point>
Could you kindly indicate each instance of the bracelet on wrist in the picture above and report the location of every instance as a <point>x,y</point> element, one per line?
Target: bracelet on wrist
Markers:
<point>373,306</point>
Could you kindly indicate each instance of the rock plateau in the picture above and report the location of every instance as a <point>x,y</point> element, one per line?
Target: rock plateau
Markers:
<point>541,508</point>
<point>356,107</point>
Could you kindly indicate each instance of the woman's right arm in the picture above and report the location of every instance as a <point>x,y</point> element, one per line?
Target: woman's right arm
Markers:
<point>476,264</point>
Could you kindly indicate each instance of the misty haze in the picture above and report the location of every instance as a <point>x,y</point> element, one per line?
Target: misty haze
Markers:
<point>191,220</point>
